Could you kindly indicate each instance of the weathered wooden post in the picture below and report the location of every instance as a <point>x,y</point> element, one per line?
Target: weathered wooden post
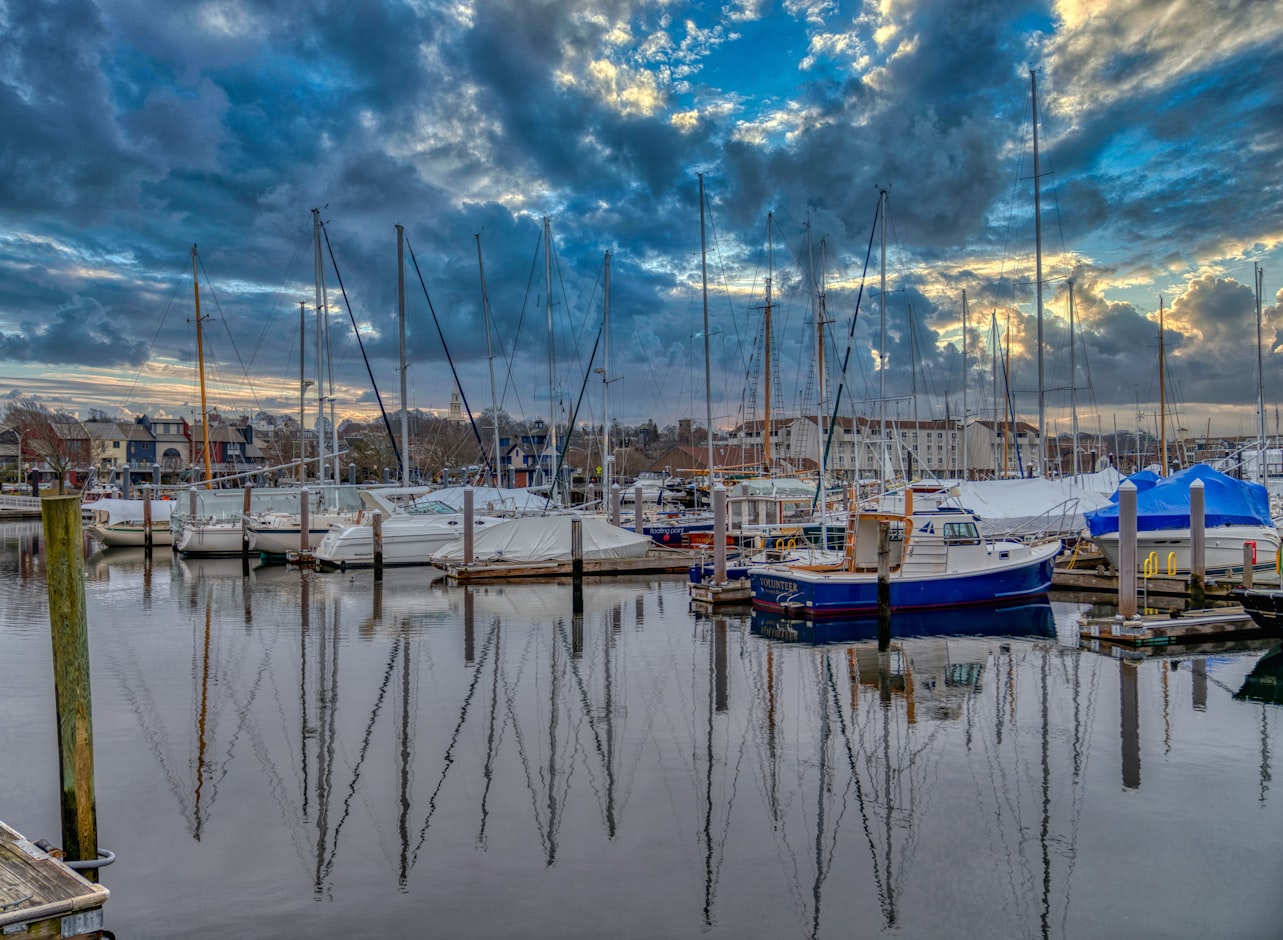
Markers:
<point>1249,563</point>
<point>469,497</point>
<point>246,496</point>
<point>304,521</point>
<point>719,534</point>
<point>155,474</point>
<point>577,565</point>
<point>376,533</point>
<point>124,483</point>
<point>616,496</point>
<point>638,522</point>
<point>65,579</point>
<point>884,585</point>
<point>1127,550</point>
<point>147,521</point>
<point>1197,545</point>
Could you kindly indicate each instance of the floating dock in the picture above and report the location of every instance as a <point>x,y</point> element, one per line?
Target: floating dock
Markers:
<point>1188,626</point>
<point>736,591</point>
<point>1103,580</point>
<point>40,897</point>
<point>661,561</point>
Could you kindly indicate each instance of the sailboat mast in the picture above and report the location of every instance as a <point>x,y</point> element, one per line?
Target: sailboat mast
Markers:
<point>607,455</point>
<point>882,343</point>
<point>1073,382</point>
<point>963,457</point>
<point>1260,376</point>
<point>485,317</point>
<point>708,370</point>
<point>551,447</point>
<point>766,345</point>
<point>320,345</point>
<point>302,391</point>
<point>400,316</point>
<point>1162,391</point>
<point>200,359</point>
<point>1042,397</point>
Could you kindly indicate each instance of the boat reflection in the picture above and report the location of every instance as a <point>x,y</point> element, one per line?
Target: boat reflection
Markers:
<point>1031,619</point>
<point>1265,682</point>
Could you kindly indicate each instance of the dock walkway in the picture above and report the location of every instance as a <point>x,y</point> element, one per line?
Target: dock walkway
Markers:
<point>40,897</point>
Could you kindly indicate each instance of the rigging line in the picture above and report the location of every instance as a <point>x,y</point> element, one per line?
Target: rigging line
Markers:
<point>574,415</point>
<point>511,359</point>
<point>850,341</point>
<point>178,282</point>
<point>472,421</point>
<point>396,450</point>
<point>209,285</point>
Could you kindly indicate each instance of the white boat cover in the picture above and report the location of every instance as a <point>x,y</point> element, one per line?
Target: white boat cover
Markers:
<point>529,539</point>
<point>131,510</point>
<point>1029,508</point>
<point>493,500</point>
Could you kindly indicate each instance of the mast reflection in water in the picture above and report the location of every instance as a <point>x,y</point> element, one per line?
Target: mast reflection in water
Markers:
<point>295,754</point>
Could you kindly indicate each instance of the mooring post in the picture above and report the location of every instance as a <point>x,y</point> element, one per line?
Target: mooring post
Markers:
<point>124,483</point>
<point>246,496</point>
<point>147,521</point>
<point>304,521</point>
<point>884,585</point>
<point>469,497</point>
<point>1249,550</point>
<point>65,579</point>
<point>1127,550</point>
<point>376,527</point>
<point>638,523</point>
<point>1197,545</point>
<point>155,474</point>
<point>577,565</point>
<point>616,497</point>
<point>590,494</point>
<point>719,534</point>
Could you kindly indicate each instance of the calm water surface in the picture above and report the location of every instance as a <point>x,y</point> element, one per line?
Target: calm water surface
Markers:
<point>302,755</point>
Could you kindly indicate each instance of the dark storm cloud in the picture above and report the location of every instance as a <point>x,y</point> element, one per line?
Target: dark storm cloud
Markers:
<point>82,334</point>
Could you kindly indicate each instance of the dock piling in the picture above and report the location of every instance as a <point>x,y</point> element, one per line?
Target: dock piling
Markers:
<point>304,521</point>
<point>147,491</point>
<point>638,523</point>
<point>469,498</point>
<point>1249,563</point>
<point>719,534</point>
<point>376,525</point>
<point>246,496</point>
<point>1127,550</point>
<point>65,577</point>
<point>615,498</point>
<point>1197,545</point>
<point>884,585</point>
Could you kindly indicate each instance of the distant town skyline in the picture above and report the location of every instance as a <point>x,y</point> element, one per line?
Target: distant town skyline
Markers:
<point>141,131</point>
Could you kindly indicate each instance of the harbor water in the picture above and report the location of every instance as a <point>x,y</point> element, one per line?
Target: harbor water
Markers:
<point>304,754</point>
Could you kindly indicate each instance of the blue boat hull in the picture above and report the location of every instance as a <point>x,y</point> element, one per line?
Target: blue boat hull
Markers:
<point>1027,618</point>
<point>839,594</point>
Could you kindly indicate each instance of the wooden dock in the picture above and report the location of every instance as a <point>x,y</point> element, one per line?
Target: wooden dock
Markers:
<point>42,898</point>
<point>658,561</point>
<point>718,595</point>
<point>1189,626</point>
<point>1101,580</point>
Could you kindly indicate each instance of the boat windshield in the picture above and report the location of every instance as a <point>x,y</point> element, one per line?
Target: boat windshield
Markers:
<point>430,507</point>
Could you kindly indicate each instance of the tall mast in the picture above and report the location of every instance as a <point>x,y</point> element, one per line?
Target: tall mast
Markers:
<point>882,342</point>
<point>1042,399</point>
<point>963,457</point>
<point>552,396</point>
<point>485,316</point>
<point>1073,382</point>
<point>400,316</point>
<point>320,345</point>
<point>708,370</point>
<point>1162,391</point>
<point>302,391</point>
<point>766,345</point>
<point>200,359</point>
<point>607,455</point>
<point>1260,375</point>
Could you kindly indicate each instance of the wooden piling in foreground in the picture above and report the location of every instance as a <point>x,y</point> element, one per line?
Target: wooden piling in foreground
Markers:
<point>719,534</point>
<point>248,493</point>
<point>1127,550</point>
<point>376,526</point>
<point>147,540</point>
<point>469,512</point>
<point>884,585</point>
<point>65,577</point>
<point>304,522</point>
<point>577,565</point>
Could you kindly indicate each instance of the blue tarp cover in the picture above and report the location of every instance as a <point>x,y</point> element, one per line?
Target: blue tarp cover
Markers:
<point>1144,480</point>
<point>1165,505</point>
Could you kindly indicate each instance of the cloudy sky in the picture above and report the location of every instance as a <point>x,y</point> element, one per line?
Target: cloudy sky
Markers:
<point>133,130</point>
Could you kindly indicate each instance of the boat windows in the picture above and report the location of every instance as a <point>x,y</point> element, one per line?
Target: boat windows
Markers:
<point>961,533</point>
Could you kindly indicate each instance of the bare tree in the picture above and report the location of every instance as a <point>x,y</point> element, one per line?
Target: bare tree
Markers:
<point>56,437</point>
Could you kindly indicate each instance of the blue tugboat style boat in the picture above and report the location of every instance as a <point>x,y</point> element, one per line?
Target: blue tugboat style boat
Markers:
<point>937,559</point>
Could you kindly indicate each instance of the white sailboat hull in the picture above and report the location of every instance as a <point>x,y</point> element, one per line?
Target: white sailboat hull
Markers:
<point>1167,551</point>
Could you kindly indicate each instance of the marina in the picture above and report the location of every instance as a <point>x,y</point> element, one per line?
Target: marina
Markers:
<point>485,759</point>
